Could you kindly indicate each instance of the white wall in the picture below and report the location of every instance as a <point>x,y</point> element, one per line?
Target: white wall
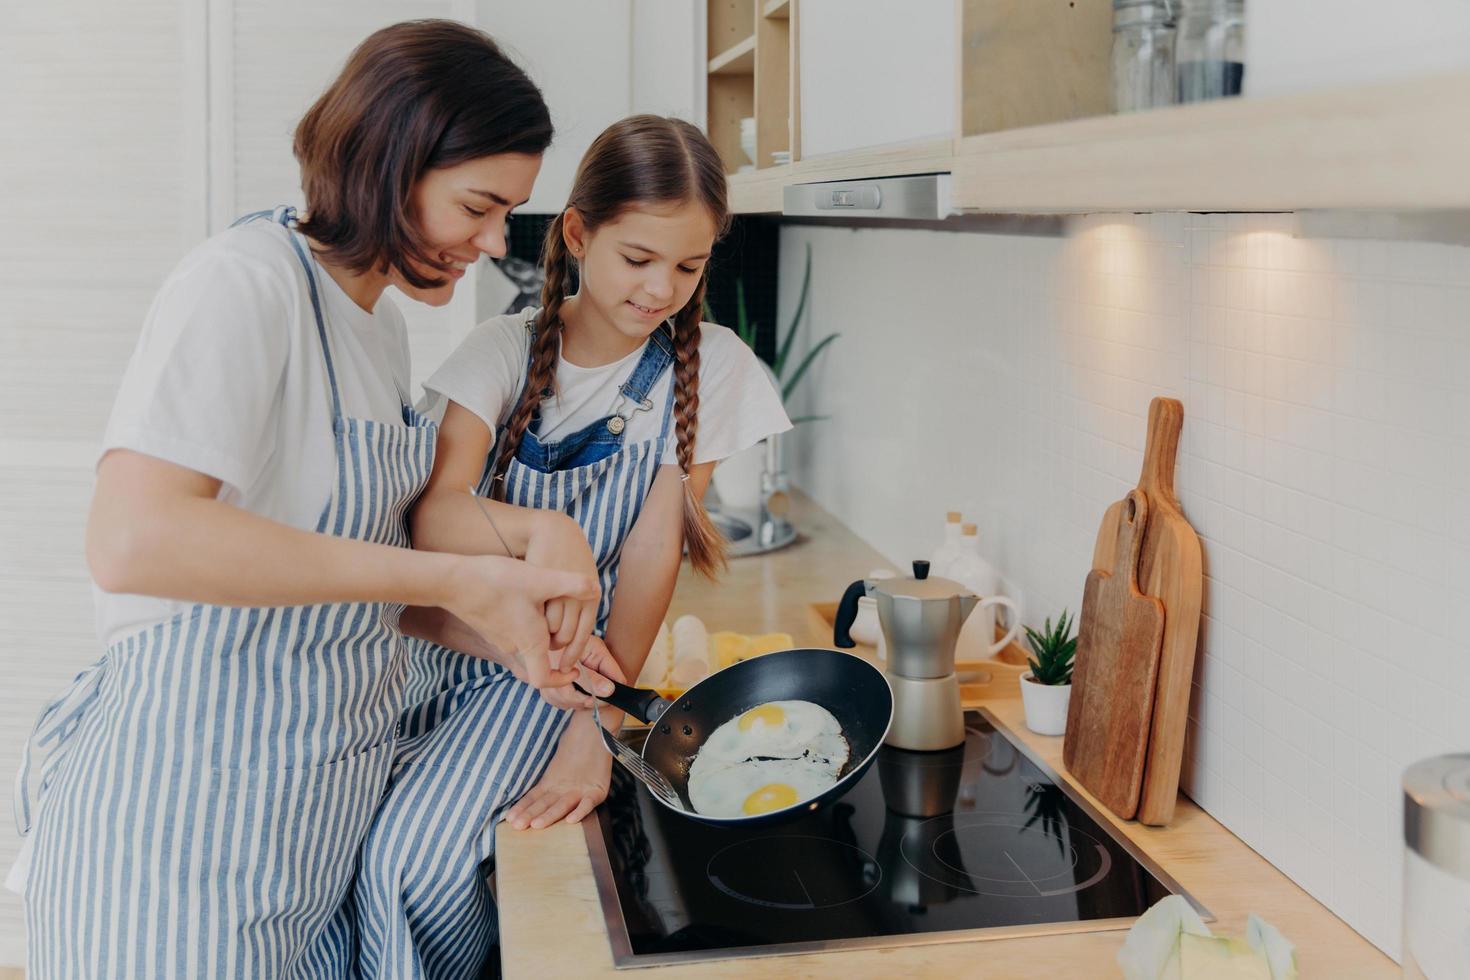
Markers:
<point>668,72</point>
<point>579,53</point>
<point>96,189</point>
<point>1325,463</point>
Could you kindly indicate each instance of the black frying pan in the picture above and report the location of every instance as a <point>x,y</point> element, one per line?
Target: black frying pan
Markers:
<point>854,691</point>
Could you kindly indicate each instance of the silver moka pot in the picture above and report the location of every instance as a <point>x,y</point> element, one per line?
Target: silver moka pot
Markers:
<point>921,619</point>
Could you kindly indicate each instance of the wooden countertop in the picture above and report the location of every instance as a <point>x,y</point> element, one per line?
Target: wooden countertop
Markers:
<point>552,922</point>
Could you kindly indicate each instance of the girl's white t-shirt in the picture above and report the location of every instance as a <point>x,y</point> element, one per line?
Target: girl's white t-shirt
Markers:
<point>738,404</point>
<point>228,379</point>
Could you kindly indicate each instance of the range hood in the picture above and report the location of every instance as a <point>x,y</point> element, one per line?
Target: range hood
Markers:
<point>923,197</point>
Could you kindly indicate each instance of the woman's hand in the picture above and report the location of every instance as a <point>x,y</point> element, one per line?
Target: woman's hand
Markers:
<point>504,601</point>
<point>574,782</point>
<point>557,541</point>
<point>598,665</point>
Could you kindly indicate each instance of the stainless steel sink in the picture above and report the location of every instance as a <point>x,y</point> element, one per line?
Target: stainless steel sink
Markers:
<point>751,532</point>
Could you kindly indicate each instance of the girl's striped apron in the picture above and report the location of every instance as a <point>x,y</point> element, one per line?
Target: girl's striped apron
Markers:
<point>481,738</point>
<point>207,784</point>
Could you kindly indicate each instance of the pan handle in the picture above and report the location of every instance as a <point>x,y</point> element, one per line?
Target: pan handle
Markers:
<point>846,613</point>
<point>640,702</point>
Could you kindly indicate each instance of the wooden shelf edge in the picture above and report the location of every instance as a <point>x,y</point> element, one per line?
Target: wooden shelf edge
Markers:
<point>776,9</point>
<point>1380,146</point>
<point>736,60</point>
<point>1393,146</point>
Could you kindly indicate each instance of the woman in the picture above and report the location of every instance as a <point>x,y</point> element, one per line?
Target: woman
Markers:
<point>208,783</point>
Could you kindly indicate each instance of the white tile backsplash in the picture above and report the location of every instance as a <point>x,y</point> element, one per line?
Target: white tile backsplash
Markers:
<point>1325,463</point>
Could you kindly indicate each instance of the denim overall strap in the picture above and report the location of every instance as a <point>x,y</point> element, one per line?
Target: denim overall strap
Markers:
<point>604,436</point>
<point>658,355</point>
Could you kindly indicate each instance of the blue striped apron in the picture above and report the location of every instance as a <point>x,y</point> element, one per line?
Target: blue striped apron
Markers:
<point>206,784</point>
<point>480,738</point>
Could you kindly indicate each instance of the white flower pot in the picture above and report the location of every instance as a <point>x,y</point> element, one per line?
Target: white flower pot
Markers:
<point>1046,705</point>
<point>737,478</point>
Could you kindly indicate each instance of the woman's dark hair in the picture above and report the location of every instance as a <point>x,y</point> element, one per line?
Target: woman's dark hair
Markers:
<point>638,160</point>
<point>413,97</point>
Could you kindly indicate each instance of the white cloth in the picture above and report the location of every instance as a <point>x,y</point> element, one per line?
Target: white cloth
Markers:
<point>228,379</point>
<point>738,405</point>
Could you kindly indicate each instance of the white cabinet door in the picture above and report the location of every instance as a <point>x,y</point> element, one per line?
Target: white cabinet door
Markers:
<point>1296,45</point>
<point>874,72</point>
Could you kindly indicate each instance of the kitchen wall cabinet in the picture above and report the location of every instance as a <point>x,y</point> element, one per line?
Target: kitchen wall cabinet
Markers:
<point>868,89</point>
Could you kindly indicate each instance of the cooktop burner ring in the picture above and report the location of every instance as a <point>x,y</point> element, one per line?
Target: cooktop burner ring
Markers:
<point>923,850</point>
<point>735,872</point>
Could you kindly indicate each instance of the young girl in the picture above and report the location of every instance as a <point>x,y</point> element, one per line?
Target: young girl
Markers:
<point>611,405</point>
<point>202,791</point>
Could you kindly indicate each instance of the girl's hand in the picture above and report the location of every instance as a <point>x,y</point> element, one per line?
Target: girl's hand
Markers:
<point>597,666</point>
<point>504,601</point>
<point>557,541</point>
<point>574,782</point>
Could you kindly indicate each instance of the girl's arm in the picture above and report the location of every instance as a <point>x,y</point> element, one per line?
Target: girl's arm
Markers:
<point>157,529</point>
<point>647,570</point>
<point>577,778</point>
<point>448,518</point>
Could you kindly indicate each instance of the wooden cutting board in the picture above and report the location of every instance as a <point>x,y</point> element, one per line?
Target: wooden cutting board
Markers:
<point>1117,663</point>
<point>1170,568</point>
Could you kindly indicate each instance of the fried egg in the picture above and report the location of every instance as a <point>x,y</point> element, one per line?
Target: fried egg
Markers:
<point>772,756</point>
<point>747,789</point>
<point>776,730</point>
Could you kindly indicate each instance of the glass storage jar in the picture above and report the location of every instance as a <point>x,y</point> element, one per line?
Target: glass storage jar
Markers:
<point>1209,50</point>
<point>1143,54</point>
<point>1436,941</point>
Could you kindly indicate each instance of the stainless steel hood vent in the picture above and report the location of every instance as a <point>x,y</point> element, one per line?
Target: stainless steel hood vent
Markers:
<point>924,197</point>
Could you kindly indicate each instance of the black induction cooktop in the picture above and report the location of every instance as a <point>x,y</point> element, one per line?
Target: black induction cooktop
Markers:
<point>980,841</point>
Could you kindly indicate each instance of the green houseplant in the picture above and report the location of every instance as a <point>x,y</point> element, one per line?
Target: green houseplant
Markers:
<point>1046,689</point>
<point>787,377</point>
<point>738,479</point>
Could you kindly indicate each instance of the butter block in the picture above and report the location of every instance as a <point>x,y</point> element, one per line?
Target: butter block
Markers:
<point>1220,958</point>
<point>769,643</point>
<point>726,648</point>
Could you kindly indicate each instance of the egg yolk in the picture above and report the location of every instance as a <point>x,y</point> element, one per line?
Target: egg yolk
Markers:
<point>765,714</point>
<point>772,796</point>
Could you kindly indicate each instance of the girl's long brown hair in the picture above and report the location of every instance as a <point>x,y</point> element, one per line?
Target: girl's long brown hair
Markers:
<point>639,160</point>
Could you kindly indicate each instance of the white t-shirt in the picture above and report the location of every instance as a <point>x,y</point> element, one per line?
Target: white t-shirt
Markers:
<point>228,379</point>
<point>738,405</point>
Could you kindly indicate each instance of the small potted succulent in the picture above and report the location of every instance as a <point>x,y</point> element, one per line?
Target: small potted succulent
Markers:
<point>1047,687</point>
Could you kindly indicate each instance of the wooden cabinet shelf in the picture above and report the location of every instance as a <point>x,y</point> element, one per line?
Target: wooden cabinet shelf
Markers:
<point>738,60</point>
<point>752,77</point>
<point>1394,146</point>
